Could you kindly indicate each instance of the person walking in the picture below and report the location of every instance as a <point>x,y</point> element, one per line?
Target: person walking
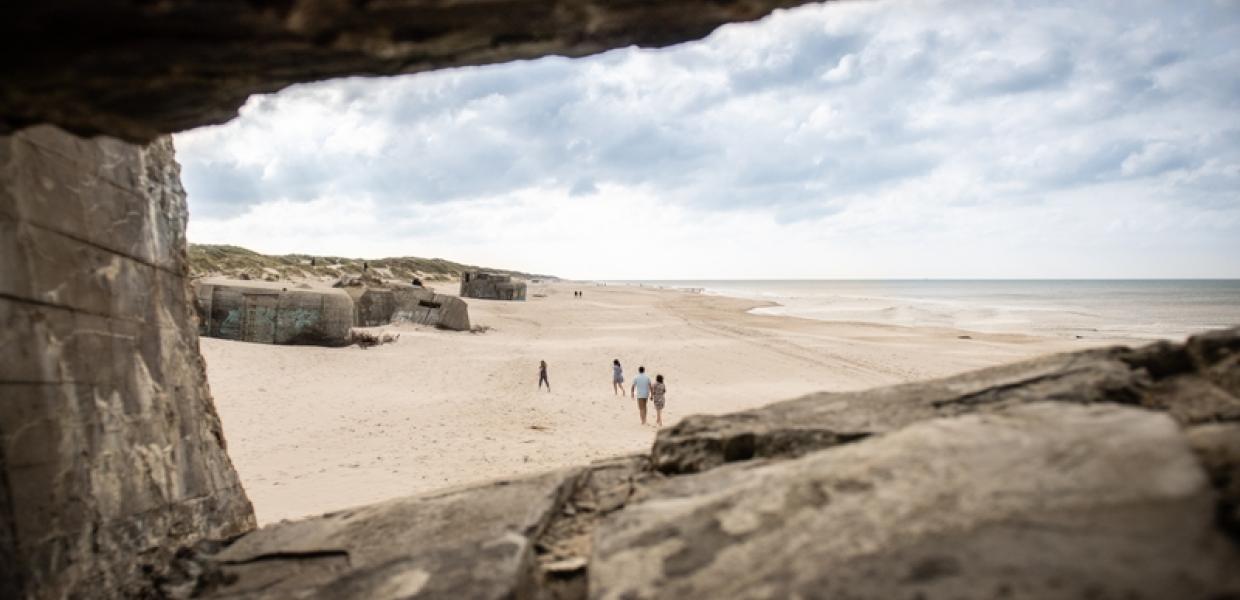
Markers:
<point>617,377</point>
<point>658,398</point>
<point>641,391</point>
<point>542,375</point>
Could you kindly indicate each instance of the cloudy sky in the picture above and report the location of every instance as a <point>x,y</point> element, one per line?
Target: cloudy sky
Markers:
<point>877,139</point>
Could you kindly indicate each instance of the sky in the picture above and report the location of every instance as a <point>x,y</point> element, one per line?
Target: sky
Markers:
<point>919,139</point>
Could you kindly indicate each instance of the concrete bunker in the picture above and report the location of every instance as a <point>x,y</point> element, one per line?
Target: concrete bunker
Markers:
<point>420,305</point>
<point>372,307</point>
<point>376,302</point>
<point>491,286</point>
<point>273,315</point>
<point>255,311</point>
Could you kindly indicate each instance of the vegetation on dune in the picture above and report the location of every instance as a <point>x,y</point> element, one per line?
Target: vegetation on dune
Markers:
<point>234,261</point>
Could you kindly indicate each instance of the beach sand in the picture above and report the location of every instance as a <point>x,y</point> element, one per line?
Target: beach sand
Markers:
<point>313,430</point>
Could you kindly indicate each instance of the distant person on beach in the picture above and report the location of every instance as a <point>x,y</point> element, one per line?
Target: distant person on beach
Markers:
<point>657,392</point>
<point>542,375</point>
<point>641,390</point>
<point>617,377</point>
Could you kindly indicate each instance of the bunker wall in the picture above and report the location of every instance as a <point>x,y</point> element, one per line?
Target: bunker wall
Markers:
<point>265,315</point>
<point>490,286</point>
<point>423,306</point>
<point>372,307</point>
<point>110,448</point>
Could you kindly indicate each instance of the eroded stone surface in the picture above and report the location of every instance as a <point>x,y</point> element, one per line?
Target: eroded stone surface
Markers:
<point>477,541</point>
<point>564,547</point>
<point>136,70</point>
<point>795,427</point>
<point>1216,355</point>
<point>1218,447</point>
<point>1192,382</point>
<point>1034,501</point>
<point>110,448</point>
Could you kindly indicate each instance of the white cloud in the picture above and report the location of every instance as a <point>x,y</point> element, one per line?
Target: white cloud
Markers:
<point>878,139</point>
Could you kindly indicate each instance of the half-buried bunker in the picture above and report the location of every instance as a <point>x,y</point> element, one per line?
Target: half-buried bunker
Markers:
<point>268,313</point>
<point>274,315</point>
<point>417,304</point>
<point>491,286</point>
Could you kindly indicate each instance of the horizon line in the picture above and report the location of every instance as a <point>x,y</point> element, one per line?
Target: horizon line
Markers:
<point>920,279</point>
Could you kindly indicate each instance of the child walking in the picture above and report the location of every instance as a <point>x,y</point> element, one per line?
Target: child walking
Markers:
<point>542,375</point>
<point>617,378</point>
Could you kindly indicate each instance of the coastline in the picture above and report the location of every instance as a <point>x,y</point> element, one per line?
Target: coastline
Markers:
<point>313,429</point>
<point>1116,311</point>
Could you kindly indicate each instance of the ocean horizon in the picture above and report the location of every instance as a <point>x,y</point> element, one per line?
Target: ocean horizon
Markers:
<point>1086,308</point>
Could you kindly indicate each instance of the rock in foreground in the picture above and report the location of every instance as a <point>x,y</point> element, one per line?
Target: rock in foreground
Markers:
<point>1198,382</point>
<point>480,540</point>
<point>1040,501</point>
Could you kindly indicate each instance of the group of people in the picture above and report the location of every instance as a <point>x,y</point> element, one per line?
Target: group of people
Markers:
<point>643,390</point>
<point>577,294</point>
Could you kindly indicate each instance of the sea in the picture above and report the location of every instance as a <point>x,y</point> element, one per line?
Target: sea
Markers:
<point>1120,309</point>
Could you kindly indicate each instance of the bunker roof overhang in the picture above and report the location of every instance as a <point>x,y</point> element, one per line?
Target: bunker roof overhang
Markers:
<point>137,69</point>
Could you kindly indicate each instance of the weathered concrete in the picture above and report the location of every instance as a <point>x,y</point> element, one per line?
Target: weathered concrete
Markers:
<point>136,70</point>
<point>1218,447</point>
<point>527,538</point>
<point>1188,381</point>
<point>1047,500</point>
<point>1198,382</point>
<point>273,314</point>
<point>420,305</point>
<point>371,306</point>
<point>377,302</point>
<point>491,286</point>
<point>565,545</point>
<point>474,542</point>
<point>110,448</point>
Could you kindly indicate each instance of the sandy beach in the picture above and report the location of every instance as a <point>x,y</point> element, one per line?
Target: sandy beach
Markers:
<point>313,429</point>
